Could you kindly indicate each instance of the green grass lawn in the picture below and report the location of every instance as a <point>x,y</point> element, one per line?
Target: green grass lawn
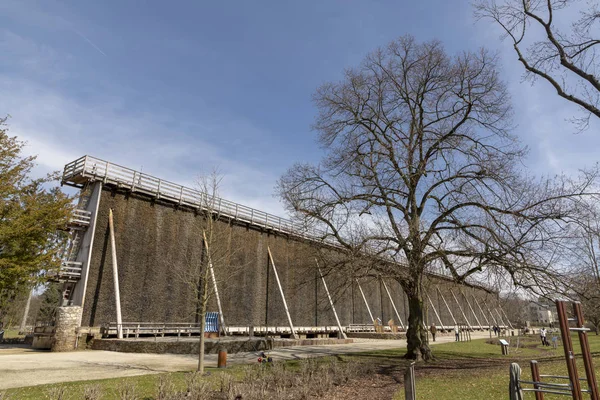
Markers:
<point>484,372</point>
<point>466,370</point>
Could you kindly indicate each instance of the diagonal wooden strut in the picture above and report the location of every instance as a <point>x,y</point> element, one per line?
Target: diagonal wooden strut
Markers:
<point>461,310</point>
<point>337,320</point>
<point>447,306</point>
<point>487,321</point>
<point>436,313</point>
<point>365,300</point>
<point>393,304</point>
<point>215,288</point>
<point>470,307</point>
<point>285,306</point>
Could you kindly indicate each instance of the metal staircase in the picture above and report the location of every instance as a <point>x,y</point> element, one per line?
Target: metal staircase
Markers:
<point>70,269</point>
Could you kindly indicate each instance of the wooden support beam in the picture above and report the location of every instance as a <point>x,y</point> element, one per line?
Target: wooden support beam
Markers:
<point>461,310</point>
<point>214,280</point>
<point>436,313</point>
<point>492,315</point>
<point>365,300</point>
<point>337,320</point>
<point>500,318</point>
<point>470,307</point>
<point>487,321</point>
<point>287,310</point>
<point>506,316</point>
<point>115,274</point>
<point>393,304</point>
<point>447,306</point>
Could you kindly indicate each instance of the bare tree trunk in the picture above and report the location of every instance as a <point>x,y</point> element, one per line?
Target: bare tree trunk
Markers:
<point>202,339</point>
<point>416,335</point>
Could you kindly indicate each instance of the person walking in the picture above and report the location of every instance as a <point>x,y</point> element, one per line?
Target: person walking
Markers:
<point>433,330</point>
<point>456,334</point>
<point>543,336</point>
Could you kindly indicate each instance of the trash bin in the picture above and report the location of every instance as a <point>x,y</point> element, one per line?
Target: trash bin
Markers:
<point>222,359</point>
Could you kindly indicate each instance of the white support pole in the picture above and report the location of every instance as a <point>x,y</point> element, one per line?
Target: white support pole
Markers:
<point>365,300</point>
<point>393,304</point>
<point>26,312</point>
<point>471,308</point>
<point>461,310</point>
<point>487,321</point>
<point>337,320</point>
<point>500,317</point>
<point>216,289</point>
<point>506,316</point>
<point>115,274</point>
<point>436,313</point>
<point>492,315</point>
<point>287,311</point>
<point>447,306</point>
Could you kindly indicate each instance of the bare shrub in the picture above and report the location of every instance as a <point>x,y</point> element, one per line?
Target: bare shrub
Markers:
<point>92,392</point>
<point>58,392</point>
<point>196,387</point>
<point>127,391</point>
<point>166,389</point>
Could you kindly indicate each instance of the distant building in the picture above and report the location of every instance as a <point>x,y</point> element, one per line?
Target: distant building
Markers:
<point>542,312</point>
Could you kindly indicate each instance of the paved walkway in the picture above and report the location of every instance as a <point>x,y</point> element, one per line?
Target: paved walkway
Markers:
<point>21,367</point>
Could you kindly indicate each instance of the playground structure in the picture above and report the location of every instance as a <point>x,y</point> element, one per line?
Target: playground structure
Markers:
<point>573,388</point>
<point>278,287</point>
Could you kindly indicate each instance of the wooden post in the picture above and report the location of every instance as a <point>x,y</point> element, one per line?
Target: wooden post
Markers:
<point>585,353</point>
<point>410,392</point>
<point>216,289</point>
<point>115,274</point>
<point>287,311</point>
<point>337,320</point>
<point>393,304</point>
<point>365,300</point>
<point>535,376</point>
<point>568,349</point>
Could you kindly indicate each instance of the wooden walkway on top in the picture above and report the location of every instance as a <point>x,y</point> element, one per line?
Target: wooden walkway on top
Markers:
<point>90,169</point>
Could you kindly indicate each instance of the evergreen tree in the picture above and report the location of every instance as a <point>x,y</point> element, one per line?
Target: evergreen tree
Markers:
<point>33,215</point>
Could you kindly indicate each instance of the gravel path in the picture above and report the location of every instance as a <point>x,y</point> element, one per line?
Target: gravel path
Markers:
<point>21,367</point>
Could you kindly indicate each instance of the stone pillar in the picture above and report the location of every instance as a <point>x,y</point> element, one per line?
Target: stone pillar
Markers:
<point>65,329</point>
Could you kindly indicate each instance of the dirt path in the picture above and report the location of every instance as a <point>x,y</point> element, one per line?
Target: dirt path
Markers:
<point>21,367</point>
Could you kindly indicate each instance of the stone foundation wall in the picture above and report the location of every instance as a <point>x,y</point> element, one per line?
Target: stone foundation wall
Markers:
<point>65,331</point>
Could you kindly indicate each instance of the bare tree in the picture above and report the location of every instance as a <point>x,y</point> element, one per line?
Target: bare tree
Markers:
<point>202,275</point>
<point>554,40</point>
<point>421,173</point>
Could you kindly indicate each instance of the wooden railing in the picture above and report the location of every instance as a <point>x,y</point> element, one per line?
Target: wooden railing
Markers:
<point>88,168</point>
<point>81,217</point>
<point>69,271</point>
<point>91,168</point>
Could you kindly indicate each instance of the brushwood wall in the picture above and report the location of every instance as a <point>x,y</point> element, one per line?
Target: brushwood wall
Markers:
<point>157,243</point>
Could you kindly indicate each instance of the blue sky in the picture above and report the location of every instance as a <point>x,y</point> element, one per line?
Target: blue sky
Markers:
<point>179,88</point>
